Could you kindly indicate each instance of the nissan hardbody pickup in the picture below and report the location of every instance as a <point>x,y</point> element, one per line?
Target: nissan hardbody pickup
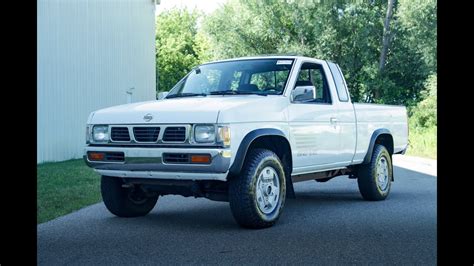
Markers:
<point>243,131</point>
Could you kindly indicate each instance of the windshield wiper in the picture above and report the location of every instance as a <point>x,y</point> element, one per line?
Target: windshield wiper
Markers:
<point>232,92</point>
<point>185,94</point>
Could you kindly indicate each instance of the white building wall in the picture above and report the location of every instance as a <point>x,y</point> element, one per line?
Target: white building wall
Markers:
<point>89,53</point>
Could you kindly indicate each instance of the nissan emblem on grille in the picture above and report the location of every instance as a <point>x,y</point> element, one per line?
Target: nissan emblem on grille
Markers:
<point>148,117</point>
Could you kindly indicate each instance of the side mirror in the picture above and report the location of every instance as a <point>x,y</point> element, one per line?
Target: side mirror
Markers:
<point>303,93</point>
<point>162,95</point>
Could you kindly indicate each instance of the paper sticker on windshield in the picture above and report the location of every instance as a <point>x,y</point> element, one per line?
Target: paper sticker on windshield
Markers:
<point>284,62</point>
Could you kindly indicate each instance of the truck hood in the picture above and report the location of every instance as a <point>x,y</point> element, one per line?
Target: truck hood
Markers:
<point>210,109</point>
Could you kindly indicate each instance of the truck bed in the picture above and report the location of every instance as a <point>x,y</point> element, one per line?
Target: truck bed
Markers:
<point>373,116</point>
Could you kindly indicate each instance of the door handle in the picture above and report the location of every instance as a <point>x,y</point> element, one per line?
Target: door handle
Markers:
<point>333,120</point>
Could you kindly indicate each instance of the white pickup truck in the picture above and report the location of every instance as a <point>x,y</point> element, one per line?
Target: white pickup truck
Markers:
<point>243,131</point>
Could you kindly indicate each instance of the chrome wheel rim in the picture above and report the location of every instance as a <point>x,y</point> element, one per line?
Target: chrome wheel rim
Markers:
<point>268,190</point>
<point>382,174</point>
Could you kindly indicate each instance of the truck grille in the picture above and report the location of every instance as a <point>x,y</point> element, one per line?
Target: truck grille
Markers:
<point>120,134</point>
<point>146,134</point>
<point>175,134</point>
<point>143,134</point>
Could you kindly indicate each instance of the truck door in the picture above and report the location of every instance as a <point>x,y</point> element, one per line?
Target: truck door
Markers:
<point>346,117</point>
<point>312,120</point>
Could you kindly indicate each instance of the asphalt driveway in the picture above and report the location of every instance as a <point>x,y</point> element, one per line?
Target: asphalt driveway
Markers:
<point>327,223</point>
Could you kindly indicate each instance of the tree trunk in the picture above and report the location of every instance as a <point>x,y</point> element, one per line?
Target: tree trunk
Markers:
<point>385,41</point>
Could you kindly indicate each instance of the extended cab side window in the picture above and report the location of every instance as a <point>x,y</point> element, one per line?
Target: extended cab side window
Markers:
<point>339,81</point>
<point>312,74</point>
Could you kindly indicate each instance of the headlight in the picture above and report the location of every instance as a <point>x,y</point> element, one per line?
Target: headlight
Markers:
<point>100,133</point>
<point>223,135</point>
<point>204,133</point>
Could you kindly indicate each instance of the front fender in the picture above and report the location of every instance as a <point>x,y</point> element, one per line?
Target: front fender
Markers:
<point>245,144</point>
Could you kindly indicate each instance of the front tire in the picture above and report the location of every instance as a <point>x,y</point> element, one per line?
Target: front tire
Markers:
<point>125,202</point>
<point>257,196</point>
<point>374,179</point>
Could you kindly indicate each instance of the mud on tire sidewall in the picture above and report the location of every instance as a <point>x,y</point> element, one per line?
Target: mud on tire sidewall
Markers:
<point>367,179</point>
<point>276,212</point>
<point>242,190</point>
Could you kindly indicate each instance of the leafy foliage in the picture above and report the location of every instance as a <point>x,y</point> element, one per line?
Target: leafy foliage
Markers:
<point>346,32</point>
<point>419,20</point>
<point>424,115</point>
<point>423,142</point>
<point>179,46</point>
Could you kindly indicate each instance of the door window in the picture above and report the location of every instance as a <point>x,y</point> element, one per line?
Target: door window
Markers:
<point>312,74</point>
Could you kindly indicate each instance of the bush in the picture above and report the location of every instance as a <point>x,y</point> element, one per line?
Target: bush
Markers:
<point>423,122</point>
<point>423,142</point>
<point>424,114</point>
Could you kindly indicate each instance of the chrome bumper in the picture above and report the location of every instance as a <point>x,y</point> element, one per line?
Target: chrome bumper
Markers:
<point>148,163</point>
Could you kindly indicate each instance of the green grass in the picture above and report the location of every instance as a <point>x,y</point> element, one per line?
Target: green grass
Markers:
<point>423,142</point>
<point>64,187</point>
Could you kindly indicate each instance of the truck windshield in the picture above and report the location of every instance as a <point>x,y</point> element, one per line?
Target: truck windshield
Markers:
<point>253,76</point>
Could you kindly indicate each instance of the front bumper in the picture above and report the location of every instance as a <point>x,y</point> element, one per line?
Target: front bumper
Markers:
<point>148,163</point>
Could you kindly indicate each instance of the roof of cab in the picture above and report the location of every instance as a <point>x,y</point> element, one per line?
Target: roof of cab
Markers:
<point>262,57</point>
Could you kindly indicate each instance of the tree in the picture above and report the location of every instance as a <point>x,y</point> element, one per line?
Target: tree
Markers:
<point>179,46</point>
<point>348,33</point>
<point>419,19</point>
<point>385,41</point>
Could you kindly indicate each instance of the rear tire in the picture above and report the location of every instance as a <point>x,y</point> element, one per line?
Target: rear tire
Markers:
<point>374,179</point>
<point>125,202</point>
<point>257,195</point>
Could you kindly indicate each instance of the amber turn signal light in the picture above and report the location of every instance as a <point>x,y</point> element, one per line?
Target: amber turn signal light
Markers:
<point>200,158</point>
<point>96,156</point>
